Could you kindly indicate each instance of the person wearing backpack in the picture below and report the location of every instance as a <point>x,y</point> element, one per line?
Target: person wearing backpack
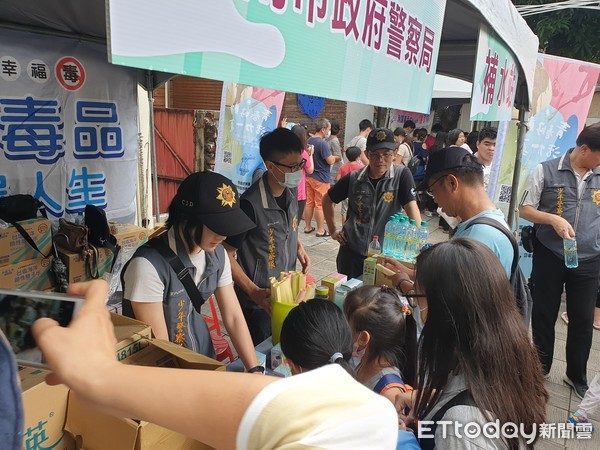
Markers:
<point>169,278</point>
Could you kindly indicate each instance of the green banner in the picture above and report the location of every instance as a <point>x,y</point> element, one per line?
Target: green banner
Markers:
<point>377,52</point>
<point>495,80</point>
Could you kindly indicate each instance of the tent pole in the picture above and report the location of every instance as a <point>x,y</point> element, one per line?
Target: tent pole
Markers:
<point>149,85</point>
<point>521,132</point>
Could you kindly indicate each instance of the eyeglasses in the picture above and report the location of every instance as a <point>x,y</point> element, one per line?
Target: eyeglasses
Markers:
<point>294,168</point>
<point>377,155</point>
<point>412,299</point>
<point>428,191</point>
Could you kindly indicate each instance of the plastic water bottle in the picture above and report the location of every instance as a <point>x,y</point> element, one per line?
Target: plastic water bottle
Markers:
<point>410,248</point>
<point>374,247</point>
<point>422,236</point>
<point>390,237</point>
<point>400,238</point>
<point>570,250</point>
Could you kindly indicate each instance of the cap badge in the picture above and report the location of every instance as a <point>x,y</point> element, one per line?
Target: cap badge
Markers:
<point>226,195</point>
<point>381,136</point>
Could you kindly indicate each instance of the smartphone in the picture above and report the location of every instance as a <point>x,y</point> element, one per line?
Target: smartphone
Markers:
<point>19,309</point>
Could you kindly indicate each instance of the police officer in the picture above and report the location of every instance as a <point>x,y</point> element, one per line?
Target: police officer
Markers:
<point>203,213</point>
<point>374,194</point>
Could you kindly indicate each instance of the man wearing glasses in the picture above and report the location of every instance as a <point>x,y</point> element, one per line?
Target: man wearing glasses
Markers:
<point>374,194</point>
<point>454,178</point>
<point>273,246</point>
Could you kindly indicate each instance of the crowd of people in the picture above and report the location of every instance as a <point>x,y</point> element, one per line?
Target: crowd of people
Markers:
<point>445,343</point>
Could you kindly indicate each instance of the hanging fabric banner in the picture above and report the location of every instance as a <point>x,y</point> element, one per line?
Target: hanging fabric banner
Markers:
<point>398,117</point>
<point>562,95</point>
<point>311,105</point>
<point>347,50</point>
<point>68,126</point>
<point>495,79</point>
<point>247,113</point>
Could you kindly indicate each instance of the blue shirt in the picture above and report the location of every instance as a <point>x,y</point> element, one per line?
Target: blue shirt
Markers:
<point>11,407</point>
<point>494,239</point>
<point>322,170</point>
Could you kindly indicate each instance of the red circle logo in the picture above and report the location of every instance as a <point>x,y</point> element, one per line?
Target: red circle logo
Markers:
<point>70,73</point>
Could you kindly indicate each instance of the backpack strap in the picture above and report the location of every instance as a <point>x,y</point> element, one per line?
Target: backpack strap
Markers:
<point>182,272</point>
<point>28,238</point>
<point>498,226</point>
<point>463,398</point>
<point>391,380</point>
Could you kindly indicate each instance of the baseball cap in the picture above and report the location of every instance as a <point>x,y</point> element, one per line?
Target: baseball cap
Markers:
<point>445,159</point>
<point>213,200</point>
<point>381,139</point>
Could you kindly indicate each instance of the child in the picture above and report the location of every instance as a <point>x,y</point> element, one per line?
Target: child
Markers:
<point>354,163</point>
<point>381,326</point>
<point>589,404</point>
<point>314,334</point>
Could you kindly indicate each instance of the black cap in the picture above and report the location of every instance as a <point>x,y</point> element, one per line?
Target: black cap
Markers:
<point>214,201</point>
<point>445,159</point>
<point>381,139</point>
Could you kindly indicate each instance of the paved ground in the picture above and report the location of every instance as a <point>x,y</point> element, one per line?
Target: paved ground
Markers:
<point>323,251</point>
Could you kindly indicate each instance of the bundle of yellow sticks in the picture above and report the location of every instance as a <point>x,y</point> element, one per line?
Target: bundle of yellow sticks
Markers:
<point>291,288</point>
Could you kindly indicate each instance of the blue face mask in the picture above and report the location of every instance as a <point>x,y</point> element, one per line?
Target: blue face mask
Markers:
<point>292,179</point>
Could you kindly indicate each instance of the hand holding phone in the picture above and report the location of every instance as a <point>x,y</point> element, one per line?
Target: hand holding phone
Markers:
<point>20,309</point>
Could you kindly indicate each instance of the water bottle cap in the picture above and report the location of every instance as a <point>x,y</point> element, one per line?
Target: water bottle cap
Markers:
<point>413,222</point>
<point>423,223</point>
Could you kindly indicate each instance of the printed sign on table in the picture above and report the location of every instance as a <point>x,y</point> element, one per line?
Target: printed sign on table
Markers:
<point>67,135</point>
<point>495,80</point>
<point>349,50</point>
<point>248,113</point>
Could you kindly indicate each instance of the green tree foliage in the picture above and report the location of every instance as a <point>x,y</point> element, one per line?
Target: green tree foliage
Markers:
<point>573,33</point>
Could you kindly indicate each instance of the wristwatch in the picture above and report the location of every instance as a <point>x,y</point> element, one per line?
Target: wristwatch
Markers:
<point>255,369</point>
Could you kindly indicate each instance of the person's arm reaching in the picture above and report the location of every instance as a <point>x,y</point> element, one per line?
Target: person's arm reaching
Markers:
<point>260,296</point>
<point>412,211</point>
<point>329,213</point>
<point>303,258</point>
<point>190,402</point>
<point>236,326</point>
<point>153,315</point>
<point>560,225</point>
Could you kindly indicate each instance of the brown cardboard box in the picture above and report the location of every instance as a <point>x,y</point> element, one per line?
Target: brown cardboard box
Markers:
<point>14,248</point>
<point>75,263</point>
<point>129,236</point>
<point>132,335</point>
<point>45,412</point>
<point>34,274</point>
<point>98,431</point>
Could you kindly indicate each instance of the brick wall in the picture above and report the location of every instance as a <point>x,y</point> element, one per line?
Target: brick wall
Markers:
<point>333,109</point>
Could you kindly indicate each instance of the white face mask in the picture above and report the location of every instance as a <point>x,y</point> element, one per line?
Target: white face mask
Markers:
<point>357,355</point>
<point>292,179</point>
<point>328,134</point>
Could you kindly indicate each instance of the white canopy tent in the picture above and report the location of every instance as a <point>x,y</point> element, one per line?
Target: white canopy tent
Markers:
<point>86,20</point>
<point>448,87</point>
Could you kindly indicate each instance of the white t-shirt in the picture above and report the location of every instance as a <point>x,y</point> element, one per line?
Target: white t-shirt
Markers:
<point>324,408</point>
<point>356,141</point>
<point>142,283</point>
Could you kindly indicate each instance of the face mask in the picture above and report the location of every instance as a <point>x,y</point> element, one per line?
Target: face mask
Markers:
<point>416,312</point>
<point>327,135</point>
<point>357,355</point>
<point>292,180</point>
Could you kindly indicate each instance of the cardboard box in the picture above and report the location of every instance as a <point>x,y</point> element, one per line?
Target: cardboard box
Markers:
<point>353,284</point>
<point>33,274</point>
<point>14,248</point>
<point>332,282</point>
<point>45,410</point>
<point>75,263</point>
<point>129,236</point>
<point>132,335</point>
<point>98,431</point>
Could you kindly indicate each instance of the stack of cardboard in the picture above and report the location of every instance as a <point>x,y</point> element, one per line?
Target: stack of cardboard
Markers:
<point>21,266</point>
<point>56,418</point>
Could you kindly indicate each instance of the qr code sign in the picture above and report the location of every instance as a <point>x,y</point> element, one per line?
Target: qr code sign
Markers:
<point>227,157</point>
<point>505,191</point>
